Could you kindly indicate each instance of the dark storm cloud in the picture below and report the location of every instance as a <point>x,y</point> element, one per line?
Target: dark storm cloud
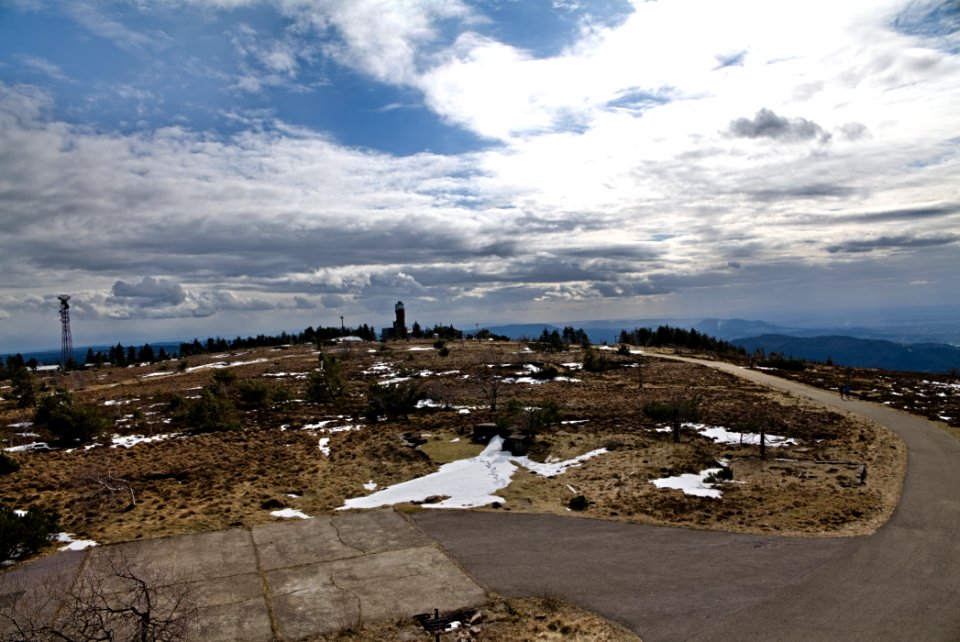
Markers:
<point>149,292</point>
<point>767,124</point>
<point>815,190</point>
<point>906,214</point>
<point>634,252</point>
<point>892,242</point>
<point>562,222</point>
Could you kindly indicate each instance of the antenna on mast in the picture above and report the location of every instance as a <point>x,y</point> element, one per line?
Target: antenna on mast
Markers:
<point>66,341</point>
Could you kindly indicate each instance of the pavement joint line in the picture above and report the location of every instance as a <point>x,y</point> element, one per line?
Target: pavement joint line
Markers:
<point>359,619</point>
<point>450,558</point>
<point>274,625</point>
<point>336,529</point>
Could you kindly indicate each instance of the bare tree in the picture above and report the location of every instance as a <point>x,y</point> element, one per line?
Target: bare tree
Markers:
<point>490,382</point>
<point>114,598</point>
<point>107,488</point>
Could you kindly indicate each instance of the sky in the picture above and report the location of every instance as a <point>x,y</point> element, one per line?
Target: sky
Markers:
<point>193,168</point>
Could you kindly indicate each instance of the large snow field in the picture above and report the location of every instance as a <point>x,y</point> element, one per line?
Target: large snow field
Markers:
<point>466,483</point>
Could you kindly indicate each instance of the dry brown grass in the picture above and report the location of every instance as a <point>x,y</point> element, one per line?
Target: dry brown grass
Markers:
<point>212,481</point>
<point>533,619</point>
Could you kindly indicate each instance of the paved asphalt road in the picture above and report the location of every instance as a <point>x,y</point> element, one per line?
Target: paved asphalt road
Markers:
<point>902,583</point>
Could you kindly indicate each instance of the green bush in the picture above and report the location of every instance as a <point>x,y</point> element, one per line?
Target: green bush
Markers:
<point>223,381</point>
<point>676,411</point>
<point>254,394</point>
<point>70,424</point>
<point>326,384</point>
<point>393,402</point>
<point>27,534</point>
<point>725,474</point>
<point>8,464</point>
<point>208,413</point>
<point>24,388</point>
<point>547,372</point>
<point>594,361</point>
<point>531,420</point>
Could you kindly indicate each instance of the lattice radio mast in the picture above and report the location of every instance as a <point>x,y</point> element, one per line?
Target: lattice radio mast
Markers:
<point>66,341</point>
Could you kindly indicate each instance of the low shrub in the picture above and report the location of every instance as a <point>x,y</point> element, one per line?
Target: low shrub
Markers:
<point>725,474</point>
<point>546,373</point>
<point>8,464</point>
<point>208,413</point>
<point>326,384</point>
<point>22,535</point>
<point>254,394</point>
<point>594,361</point>
<point>393,402</point>
<point>70,424</point>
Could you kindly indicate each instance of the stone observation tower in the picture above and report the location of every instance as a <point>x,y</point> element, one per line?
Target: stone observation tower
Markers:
<point>66,341</point>
<point>400,325</point>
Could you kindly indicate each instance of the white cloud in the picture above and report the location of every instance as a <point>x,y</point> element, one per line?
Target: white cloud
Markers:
<point>631,167</point>
<point>43,66</point>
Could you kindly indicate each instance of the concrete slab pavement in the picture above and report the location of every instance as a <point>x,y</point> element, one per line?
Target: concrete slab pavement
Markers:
<point>283,581</point>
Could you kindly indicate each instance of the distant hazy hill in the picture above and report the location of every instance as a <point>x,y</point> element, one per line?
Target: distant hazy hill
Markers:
<point>729,329</point>
<point>524,330</point>
<point>863,353</point>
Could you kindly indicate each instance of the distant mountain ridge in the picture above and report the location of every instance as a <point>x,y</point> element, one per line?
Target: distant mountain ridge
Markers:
<point>859,353</point>
<point>855,347</point>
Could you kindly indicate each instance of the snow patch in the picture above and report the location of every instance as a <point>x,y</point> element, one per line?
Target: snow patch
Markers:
<point>724,436</point>
<point>225,364</point>
<point>466,483</point>
<point>691,484</point>
<point>74,544</point>
<point>128,441</point>
<point>289,513</point>
<point>36,445</point>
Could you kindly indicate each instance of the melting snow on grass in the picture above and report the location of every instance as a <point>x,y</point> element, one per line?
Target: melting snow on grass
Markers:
<point>724,436</point>
<point>224,364</point>
<point>466,483</point>
<point>289,513</point>
<point>71,544</point>
<point>324,446</point>
<point>721,435</point>
<point>128,441</point>
<point>35,445</point>
<point>691,484</point>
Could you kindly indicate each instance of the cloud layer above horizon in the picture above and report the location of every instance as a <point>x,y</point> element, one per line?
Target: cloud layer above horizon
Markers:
<point>225,166</point>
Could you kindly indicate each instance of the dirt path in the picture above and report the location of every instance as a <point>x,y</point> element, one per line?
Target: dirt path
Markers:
<point>670,584</point>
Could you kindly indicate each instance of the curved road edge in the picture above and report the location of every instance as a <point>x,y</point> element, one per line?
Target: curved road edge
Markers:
<point>903,582</point>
